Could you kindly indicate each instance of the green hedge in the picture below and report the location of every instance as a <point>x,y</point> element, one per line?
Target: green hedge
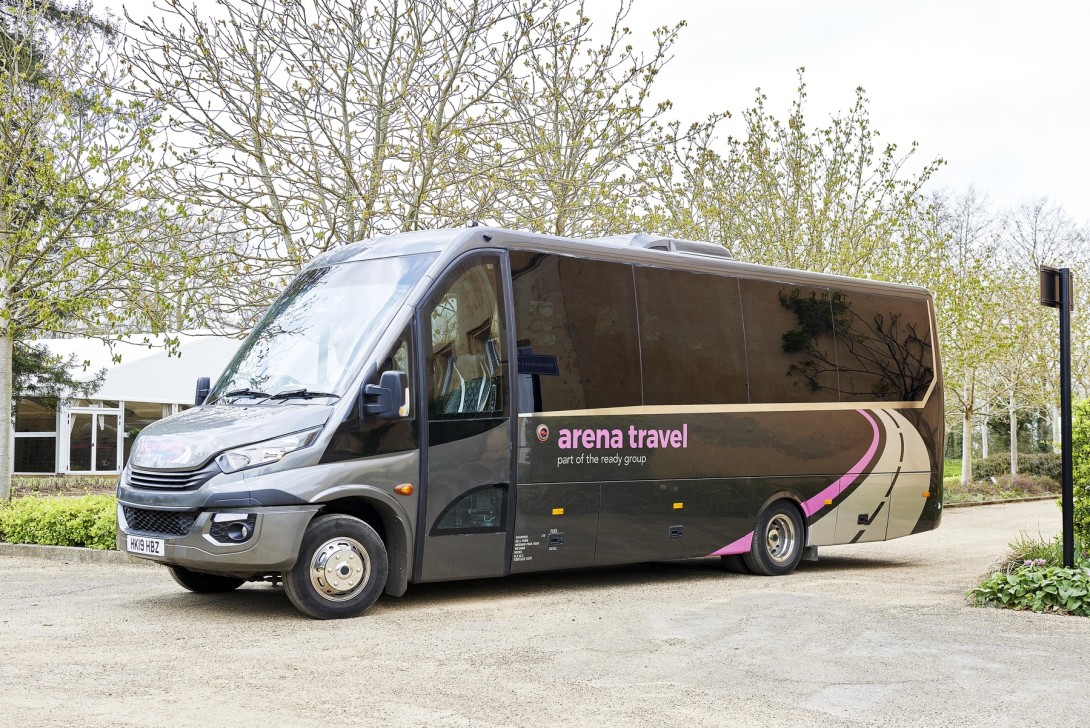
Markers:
<point>88,521</point>
<point>1080,461</point>
<point>1035,463</point>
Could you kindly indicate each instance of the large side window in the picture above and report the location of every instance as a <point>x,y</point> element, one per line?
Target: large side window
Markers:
<point>789,342</point>
<point>691,341</point>
<point>466,369</point>
<point>883,347</point>
<point>575,321</point>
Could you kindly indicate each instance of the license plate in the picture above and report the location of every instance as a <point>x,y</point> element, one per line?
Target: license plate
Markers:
<point>146,546</point>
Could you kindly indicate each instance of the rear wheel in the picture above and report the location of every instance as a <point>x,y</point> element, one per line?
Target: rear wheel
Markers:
<point>778,541</point>
<point>735,563</point>
<point>201,583</point>
<point>341,570</point>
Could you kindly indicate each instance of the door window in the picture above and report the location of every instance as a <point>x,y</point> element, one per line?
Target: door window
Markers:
<point>466,368</point>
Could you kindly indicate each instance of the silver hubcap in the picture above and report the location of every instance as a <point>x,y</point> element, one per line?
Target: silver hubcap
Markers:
<point>780,538</point>
<point>339,569</point>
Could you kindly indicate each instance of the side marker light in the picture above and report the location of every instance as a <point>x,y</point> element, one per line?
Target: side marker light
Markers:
<point>927,494</point>
<point>558,511</point>
<point>828,501</point>
<point>678,506</point>
<point>404,489</point>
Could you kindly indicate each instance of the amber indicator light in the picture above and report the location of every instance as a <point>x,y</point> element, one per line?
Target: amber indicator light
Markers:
<point>404,489</point>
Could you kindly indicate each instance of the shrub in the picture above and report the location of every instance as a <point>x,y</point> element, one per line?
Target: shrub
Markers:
<point>1027,485</point>
<point>88,521</point>
<point>1035,548</point>
<point>1037,587</point>
<point>63,484</point>
<point>1080,461</point>
<point>1031,576</point>
<point>1037,463</point>
<point>1005,487</point>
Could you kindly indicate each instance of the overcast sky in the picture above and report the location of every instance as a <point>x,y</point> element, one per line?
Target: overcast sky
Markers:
<point>997,88</point>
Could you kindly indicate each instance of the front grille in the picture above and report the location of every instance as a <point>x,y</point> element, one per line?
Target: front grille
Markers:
<point>176,479</point>
<point>170,523</point>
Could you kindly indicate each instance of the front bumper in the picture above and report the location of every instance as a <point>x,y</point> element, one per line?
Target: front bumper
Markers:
<point>273,546</point>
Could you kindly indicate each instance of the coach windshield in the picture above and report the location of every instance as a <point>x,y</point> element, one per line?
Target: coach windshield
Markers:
<point>309,344</point>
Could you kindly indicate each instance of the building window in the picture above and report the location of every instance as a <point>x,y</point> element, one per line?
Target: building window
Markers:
<point>36,454</point>
<point>35,414</point>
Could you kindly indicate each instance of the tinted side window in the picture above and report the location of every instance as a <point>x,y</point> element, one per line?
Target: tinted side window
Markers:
<point>883,347</point>
<point>481,510</point>
<point>376,436</point>
<point>575,322</point>
<point>465,367</point>
<point>691,341</point>
<point>789,342</point>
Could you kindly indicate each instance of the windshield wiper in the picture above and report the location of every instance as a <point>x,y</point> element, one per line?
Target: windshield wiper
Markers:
<point>303,393</point>
<point>245,393</point>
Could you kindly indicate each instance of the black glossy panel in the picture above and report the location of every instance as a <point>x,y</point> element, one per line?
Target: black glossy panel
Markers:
<point>578,317</point>
<point>467,556</point>
<point>443,431</point>
<point>692,347</point>
<point>535,520</point>
<point>789,342</point>
<point>690,446</point>
<point>883,347</point>
<point>636,518</point>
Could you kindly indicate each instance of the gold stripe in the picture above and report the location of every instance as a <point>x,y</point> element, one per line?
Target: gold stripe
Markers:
<point>700,409</point>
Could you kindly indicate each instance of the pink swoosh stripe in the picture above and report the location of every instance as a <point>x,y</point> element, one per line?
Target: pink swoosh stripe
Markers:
<point>815,504</point>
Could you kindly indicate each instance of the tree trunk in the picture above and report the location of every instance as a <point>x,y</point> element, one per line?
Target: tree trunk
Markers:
<point>1014,433</point>
<point>984,439</point>
<point>966,447</point>
<point>967,430</point>
<point>5,407</point>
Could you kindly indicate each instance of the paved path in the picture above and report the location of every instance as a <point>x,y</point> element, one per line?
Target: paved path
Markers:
<point>874,634</point>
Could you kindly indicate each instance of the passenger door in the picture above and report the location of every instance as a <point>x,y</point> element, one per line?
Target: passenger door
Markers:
<point>467,503</point>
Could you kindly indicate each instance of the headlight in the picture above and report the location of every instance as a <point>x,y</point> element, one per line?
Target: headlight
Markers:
<point>263,453</point>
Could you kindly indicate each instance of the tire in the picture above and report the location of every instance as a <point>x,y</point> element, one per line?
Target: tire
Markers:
<point>735,563</point>
<point>341,570</point>
<point>778,541</point>
<point>201,583</point>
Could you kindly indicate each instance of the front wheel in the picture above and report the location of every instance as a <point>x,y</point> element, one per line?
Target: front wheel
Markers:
<point>778,541</point>
<point>341,570</point>
<point>201,583</point>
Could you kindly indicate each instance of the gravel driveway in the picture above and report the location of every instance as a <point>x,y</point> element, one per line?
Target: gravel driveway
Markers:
<point>874,634</point>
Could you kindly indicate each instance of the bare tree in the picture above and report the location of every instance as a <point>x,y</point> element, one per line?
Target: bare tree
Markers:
<point>80,249</point>
<point>308,125</point>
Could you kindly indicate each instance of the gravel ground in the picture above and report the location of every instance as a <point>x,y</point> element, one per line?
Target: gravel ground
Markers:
<point>874,634</point>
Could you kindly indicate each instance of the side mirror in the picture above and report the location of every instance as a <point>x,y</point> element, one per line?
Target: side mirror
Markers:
<point>392,393</point>
<point>204,386</point>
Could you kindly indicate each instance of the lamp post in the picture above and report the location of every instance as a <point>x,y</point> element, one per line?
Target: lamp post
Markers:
<point>1056,293</point>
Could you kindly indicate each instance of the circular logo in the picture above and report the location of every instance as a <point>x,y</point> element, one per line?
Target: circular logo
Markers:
<point>542,433</point>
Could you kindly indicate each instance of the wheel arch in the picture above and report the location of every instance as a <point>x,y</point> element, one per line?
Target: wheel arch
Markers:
<point>381,512</point>
<point>796,503</point>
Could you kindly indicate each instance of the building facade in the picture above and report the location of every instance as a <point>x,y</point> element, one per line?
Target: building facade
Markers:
<point>94,435</point>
